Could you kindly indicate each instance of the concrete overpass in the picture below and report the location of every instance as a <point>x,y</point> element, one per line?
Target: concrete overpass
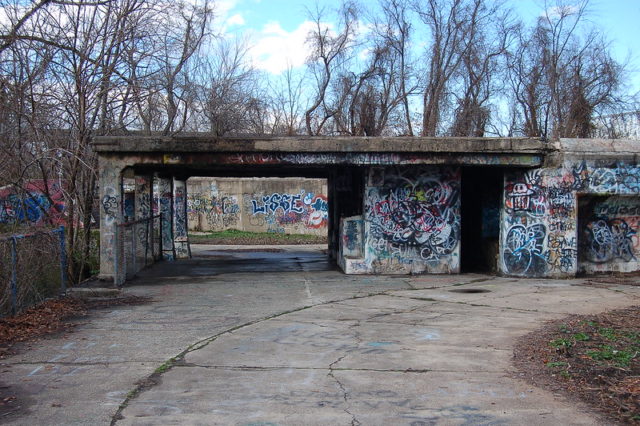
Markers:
<point>515,206</point>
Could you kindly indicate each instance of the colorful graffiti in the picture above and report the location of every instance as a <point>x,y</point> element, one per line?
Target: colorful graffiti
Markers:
<point>38,203</point>
<point>415,216</point>
<point>540,232</point>
<point>606,240</point>
<point>523,252</point>
<point>306,208</point>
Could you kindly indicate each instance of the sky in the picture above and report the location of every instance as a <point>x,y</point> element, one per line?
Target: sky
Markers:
<point>277,28</point>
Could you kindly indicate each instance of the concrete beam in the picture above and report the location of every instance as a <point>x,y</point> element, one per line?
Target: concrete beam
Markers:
<point>205,143</point>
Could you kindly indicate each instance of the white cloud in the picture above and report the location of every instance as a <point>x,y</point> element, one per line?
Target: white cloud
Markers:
<point>276,49</point>
<point>236,19</point>
<point>557,12</point>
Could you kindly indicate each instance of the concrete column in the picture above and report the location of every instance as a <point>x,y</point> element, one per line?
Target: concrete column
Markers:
<point>110,214</point>
<point>180,222</point>
<point>165,196</point>
<point>143,231</point>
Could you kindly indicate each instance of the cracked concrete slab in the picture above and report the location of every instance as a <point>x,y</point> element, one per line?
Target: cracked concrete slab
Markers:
<point>303,348</point>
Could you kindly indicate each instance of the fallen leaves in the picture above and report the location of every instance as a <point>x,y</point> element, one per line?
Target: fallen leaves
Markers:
<point>592,357</point>
<point>39,320</point>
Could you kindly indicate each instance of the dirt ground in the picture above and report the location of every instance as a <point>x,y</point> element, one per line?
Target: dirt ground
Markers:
<point>591,358</point>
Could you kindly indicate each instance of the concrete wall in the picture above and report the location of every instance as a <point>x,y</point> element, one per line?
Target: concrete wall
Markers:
<point>582,216</point>
<point>411,223</point>
<point>282,205</point>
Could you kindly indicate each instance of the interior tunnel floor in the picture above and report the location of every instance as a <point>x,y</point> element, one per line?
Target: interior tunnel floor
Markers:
<point>225,259</point>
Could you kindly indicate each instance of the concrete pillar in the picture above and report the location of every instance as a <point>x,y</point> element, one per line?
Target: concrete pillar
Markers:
<point>180,222</point>
<point>144,231</point>
<point>165,197</point>
<point>110,214</point>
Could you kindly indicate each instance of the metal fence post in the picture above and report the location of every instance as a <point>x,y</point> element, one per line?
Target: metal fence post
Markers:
<point>63,262</point>
<point>14,276</point>
<point>116,256</point>
<point>134,248</point>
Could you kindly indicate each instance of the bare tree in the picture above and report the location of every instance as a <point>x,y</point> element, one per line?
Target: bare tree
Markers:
<point>563,75</point>
<point>287,104</point>
<point>450,23</point>
<point>329,51</point>
<point>228,90</point>
<point>395,31</point>
<point>481,67</point>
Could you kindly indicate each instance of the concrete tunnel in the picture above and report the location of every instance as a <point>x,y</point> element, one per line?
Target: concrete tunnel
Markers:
<point>513,206</point>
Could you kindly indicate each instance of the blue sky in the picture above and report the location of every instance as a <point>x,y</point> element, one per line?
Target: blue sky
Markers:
<point>277,28</point>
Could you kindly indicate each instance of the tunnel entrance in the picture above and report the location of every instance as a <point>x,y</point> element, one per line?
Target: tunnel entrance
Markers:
<point>258,224</point>
<point>482,189</point>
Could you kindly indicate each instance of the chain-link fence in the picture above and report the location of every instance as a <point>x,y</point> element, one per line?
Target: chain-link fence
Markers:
<point>138,244</point>
<point>32,269</point>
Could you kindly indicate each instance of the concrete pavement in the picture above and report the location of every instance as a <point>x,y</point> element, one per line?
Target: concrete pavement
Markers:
<point>308,346</point>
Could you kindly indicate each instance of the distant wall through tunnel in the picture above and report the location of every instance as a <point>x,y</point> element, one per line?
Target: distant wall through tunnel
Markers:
<point>278,205</point>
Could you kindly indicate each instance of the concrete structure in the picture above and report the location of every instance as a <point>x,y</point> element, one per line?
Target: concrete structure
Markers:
<point>519,207</point>
<point>279,205</point>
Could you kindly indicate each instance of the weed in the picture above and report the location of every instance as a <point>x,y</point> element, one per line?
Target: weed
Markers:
<point>165,367</point>
<point>557,364</point>
<point>620,358</point>
<point>564,328</point>
<point>565,374</point>
<point>581,337</point>
<point>608,333</point>
<point>561,343</point>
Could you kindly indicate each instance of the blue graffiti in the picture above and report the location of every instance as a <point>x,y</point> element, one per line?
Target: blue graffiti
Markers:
<point>271,203</point>
<point>30,209</point>
<point>320,205</point>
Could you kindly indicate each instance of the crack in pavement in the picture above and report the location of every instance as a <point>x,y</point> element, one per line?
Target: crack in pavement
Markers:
<point>152,380</point>
<point>345,394</point>
<point>334,369</point>
<point>178,360</point>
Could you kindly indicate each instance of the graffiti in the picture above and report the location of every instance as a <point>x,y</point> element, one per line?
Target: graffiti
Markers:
<point>524,197</point>
<point>351,235</point>
<point>523,252</point>
<point>287,209</point>
<point>219,212</point>
<point>165,201</point>
<point>318,212</point>
<point>271,203</point>
<point>38,203</point>
<point>110,205</point>
<point>143,197</point>
<point>606,240</point>
<point>562,253</point>
<point>180,212</point>
<point>555,198</point>
<point>415,217</point>
<point>129,205</point>
<point>369,158</point>
<point>614,179</point>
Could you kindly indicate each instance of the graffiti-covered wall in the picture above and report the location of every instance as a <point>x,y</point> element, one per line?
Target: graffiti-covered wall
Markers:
<point>280,205</point>
<point>412,220</point>
<point>38,203</point>
<point>579,217</point>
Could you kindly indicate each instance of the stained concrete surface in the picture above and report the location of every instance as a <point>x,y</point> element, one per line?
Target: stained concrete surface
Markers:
<point>303,347</point>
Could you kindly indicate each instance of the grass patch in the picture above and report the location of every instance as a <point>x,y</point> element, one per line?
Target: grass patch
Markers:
<point>619,358</point>
<point>233,236</point>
